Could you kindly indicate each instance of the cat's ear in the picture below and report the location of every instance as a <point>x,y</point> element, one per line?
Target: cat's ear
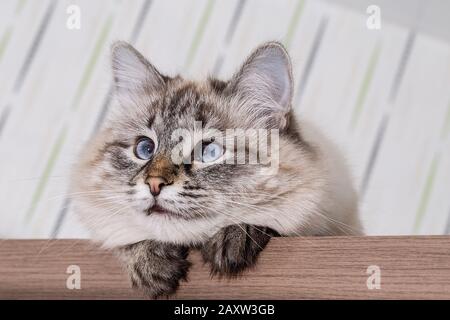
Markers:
<point>264,84</point>
<point>133,74</point>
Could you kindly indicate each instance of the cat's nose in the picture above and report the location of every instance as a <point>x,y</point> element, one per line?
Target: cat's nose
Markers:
<point>156,184</point>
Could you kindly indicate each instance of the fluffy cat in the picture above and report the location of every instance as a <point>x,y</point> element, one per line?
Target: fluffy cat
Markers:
<point>135,199</point>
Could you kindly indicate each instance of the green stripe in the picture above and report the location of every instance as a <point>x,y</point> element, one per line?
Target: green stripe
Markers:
<point>294,22</point>
<point>19,7</point>
<point>92,62</point>
<point>425,197</point>
<point>56,149</point>
<point>364,89</point>
<point>4,42</point>
<point>199,33</point>
<point>446,128</point>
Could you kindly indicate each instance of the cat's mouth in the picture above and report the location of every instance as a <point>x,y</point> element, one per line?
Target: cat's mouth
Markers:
<point>157,209</point>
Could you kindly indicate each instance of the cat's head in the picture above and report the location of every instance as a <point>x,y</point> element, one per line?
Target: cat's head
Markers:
<point>137,179</point>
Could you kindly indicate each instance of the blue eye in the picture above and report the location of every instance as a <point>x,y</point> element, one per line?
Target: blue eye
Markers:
<point>212,152</point>
<point>144,148</point>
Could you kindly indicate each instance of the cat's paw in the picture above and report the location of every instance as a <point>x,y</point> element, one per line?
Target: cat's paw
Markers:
<point>156,269</point>
<point>235,248</point>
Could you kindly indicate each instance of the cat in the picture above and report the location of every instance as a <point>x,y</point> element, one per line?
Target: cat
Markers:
<point>150,209</point>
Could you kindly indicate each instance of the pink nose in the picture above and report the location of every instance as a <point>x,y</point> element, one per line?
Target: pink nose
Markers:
<point>156,184</point>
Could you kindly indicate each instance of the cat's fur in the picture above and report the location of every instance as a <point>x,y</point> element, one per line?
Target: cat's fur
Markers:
<point>228,211</point>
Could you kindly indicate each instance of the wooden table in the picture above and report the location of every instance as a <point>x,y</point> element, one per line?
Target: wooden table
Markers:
<point>411,267</point>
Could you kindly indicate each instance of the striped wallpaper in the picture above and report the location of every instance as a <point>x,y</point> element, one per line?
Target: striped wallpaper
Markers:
<point>383,96</point>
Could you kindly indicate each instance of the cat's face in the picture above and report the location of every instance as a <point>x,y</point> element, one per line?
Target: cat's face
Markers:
<point>137,179</point>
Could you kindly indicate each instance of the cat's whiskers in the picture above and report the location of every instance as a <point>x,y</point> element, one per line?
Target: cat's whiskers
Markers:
<point>96,202</point>
<point>257,208</point>
<point>94,225</point>
<point>235,220</point>
<point>286,199</point>
<point>49,242</point>
<point>238,223</point>
<point>83,193</point>
<point>270,213</point>
<point>112,212</point>
<point>35,178</point>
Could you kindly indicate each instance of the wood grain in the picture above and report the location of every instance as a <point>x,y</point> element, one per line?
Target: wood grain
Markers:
<point>289,268</point>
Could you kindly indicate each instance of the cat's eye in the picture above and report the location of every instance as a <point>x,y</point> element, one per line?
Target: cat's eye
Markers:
<point>212,152</point>
<point>144,149</point>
